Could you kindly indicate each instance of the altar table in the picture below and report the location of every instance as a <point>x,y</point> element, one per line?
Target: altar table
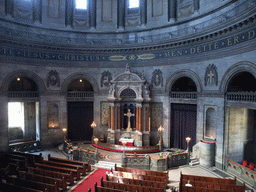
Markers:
<point>129,142</point>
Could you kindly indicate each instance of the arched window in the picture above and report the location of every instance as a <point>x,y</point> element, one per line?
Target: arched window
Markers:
<point>134,4</point>
<point>81,4</point>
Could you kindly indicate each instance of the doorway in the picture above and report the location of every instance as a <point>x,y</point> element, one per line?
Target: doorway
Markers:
<point>80,118</point>
<point>183,124</point>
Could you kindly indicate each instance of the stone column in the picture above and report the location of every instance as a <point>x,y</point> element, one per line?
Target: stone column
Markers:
<point>109,117</point>
<point>138,129</point>
<point>4,138</point>
<point>37,12</point>
<point>111,130</point>
<point>146,134</point>
<point>9,8</point>
<point>118,116</point>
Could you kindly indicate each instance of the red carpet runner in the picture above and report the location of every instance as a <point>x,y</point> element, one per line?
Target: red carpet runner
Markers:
<point>91,180</point>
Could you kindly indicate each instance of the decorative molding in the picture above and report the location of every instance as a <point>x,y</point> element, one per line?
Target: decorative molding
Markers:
<point>168,53</point>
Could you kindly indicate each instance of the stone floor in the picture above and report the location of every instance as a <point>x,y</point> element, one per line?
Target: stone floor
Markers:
<point>174,173</point>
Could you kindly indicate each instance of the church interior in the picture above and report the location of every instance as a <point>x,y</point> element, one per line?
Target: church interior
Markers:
<point>133,77</point>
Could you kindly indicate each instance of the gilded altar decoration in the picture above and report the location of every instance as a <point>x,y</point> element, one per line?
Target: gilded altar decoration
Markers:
<point>157,115</point>
<point>104,113</point>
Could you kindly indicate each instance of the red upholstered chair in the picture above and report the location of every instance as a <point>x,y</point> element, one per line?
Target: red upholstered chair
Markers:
<point>245,163</point>
<point>251,166</point>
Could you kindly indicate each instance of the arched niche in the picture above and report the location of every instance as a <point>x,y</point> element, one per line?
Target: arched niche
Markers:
<point>210,123</point>
<point>184,84</point>
<point>242,82</point>
<point>233,71</point>
<point>75,78</point>
<point>80,85</point>
<point>183,74</point>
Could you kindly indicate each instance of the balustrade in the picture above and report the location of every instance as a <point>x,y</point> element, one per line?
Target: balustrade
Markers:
<point>183,95</point>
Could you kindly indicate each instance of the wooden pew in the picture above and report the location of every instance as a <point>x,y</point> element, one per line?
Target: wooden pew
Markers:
<point>64,165</point>
<point>33,184</point>
<point>208,183</point>
<point>129,187</point>
<point>208,179</point>
<point>66,176</point>
<point>32,158</point>
<point>142,172</point>
<point>139,176</point>
<point>4,172</point>
<point>154,184</point>
<point>76,173</point>
<point>202,189</point>
<point>7,187</point>
<point>61,183</point>
<point>104,189</point>
<point>86,166</point>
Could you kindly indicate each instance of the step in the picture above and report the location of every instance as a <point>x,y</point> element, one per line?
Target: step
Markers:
<point>106,165</point>
<point>194,162</point>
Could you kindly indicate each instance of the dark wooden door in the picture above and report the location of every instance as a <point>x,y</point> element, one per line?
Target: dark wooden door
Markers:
<point>183,124</point>
<point>80,117</point>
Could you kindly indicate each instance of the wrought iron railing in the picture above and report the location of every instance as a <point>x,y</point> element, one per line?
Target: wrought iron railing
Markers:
<point>241,96</point>
<point>183,95</point>
<point>79,94</point>
<point>23,94</point>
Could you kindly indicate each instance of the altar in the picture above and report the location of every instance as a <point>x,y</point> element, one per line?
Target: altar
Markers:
<point>129,110</point>
<point>129,142</point>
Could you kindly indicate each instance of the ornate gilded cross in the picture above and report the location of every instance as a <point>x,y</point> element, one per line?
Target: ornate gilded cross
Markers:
<point>129,115</point>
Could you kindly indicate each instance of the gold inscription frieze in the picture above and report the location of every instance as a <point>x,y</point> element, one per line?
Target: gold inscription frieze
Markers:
<point>174,52</point>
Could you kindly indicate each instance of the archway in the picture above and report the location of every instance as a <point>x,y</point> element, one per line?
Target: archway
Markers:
<point>80,110</point>
<point>23,110</point>
<point>241,119</point>
<point>183,115</point>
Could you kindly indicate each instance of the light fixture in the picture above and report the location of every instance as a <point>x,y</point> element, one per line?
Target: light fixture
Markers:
<point>93,125</point>
<point>18,79</point>
<point>81,80</point>
<point>161,130</point>
<point>64,133</point>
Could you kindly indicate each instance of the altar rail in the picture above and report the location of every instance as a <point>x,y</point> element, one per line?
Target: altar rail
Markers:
<point>241,96</point>
<point>127,149</point>
<point>248,175</point>
<point>183,95</point>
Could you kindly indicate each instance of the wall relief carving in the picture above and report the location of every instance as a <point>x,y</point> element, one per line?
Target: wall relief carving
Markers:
<point>157,78</point>
<point>53,78</point>
<point>106,77</point>
<point>211,75</point>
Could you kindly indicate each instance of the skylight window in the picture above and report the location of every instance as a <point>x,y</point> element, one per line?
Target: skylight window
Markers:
<point>134,3</point>
<point>81,4</point>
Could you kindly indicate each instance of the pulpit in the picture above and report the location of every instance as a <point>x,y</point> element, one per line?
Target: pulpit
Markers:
<point>129,142</point>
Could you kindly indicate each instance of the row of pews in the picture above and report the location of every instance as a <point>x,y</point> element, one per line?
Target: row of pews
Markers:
<point>194,183</point>
<point>29,172</point>
<point>128,179</point>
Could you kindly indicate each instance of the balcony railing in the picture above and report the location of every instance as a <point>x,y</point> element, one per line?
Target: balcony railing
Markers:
<point>241,96</point>
<point>183,95</point>
<point>23,94</point>
<point>79,94</point>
